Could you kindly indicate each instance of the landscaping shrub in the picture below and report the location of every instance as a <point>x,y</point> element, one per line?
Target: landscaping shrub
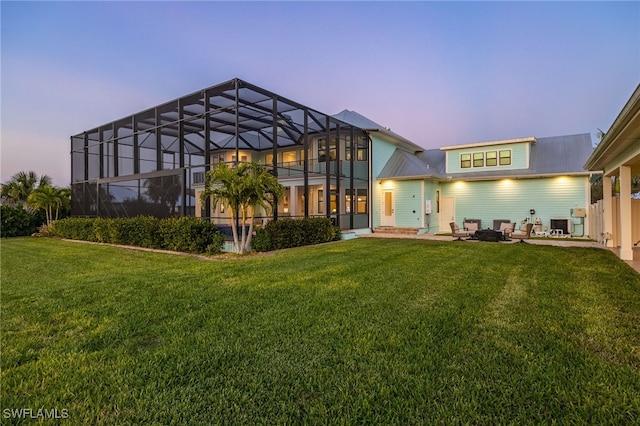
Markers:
<point>74,228</point>
<point>261,241</point>
<point>17,222</point>
<point>289,233</point>
<point>178,234</point>
<point>192,235</point>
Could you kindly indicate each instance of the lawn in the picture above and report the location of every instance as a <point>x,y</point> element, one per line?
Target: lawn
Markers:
<point>363,331</point>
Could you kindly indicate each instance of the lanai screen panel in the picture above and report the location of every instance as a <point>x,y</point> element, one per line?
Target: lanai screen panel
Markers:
<point>183,134</point>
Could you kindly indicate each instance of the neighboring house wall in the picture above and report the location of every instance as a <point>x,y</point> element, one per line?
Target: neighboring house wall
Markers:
<point>511,199</point>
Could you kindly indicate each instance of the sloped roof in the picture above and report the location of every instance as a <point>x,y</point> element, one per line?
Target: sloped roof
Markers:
<point>621,144</point>
<point>403,165</point>
<point>548,156</point>
<point>359,120</point>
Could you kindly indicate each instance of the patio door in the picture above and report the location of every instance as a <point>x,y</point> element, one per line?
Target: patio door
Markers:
<point>387,212</point>
<point>447,213</point>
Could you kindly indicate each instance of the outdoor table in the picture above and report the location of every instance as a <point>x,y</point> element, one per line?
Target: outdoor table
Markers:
<point>488,235</point>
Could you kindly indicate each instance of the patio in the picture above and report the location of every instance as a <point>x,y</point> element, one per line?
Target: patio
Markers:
<point>560,242</point>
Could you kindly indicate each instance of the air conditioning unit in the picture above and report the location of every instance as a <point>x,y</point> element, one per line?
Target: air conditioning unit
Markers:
<point>579,212</point>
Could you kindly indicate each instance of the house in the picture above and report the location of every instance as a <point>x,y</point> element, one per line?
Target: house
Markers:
<point>538,180</point>
<point>360,174</point>
<point>618,156</point>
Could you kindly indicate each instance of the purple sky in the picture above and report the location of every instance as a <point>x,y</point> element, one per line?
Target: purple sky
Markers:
<point>437,73</point>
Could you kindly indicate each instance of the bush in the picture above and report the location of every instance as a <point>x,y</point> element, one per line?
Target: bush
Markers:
<point>191,235</point>
<point>179,234</point>
<point>289,233</point>
<point>261,241</point>
<point>74,228</point>
<point>17,222</point>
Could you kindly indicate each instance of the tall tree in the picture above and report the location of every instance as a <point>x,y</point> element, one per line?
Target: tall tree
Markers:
<point>245,188</point>
<point>22,184</point>
<point>50,199</point>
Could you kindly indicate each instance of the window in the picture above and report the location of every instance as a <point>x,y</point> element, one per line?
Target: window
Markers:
<point>505,157</point>
<point>360,206</point>
<point>492,159</point>
<point>361,201</point>
<point>217,158</point>
<point>465,161</point>
<point>320,201</point>
<point>322,150</point>
<point>485,159</point>
<point>478,159</point>
<point>289,158</point>
<point>363,149</point>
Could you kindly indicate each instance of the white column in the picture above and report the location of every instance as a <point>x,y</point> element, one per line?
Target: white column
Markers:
<point>293,198</point>
<point>608,209</point>
<point>626,243</point>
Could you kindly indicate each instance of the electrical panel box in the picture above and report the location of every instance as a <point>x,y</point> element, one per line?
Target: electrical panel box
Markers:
<point>427,207</point>
<point>579,212</point>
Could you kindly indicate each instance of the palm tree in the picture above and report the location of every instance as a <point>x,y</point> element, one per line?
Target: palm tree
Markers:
<point>244,188</point>
<point>263,191</point>
<point>22,184</point>
<point>49,198</point>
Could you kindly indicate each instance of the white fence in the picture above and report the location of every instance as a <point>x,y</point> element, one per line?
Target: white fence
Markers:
<point>596,221</point>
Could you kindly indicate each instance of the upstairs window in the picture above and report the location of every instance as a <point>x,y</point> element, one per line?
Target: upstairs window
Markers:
<point>478,159</point>
<point>361,149</point>
<point>465,161</point>
<point>492,159</point>
<point>505,157</point>
<point>324,150</point>
<point>485,159</point>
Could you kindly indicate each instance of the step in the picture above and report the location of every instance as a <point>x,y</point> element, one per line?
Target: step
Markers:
<point>396,230</point>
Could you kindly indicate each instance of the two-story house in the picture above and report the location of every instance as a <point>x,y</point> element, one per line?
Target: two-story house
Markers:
<point>346,167</point>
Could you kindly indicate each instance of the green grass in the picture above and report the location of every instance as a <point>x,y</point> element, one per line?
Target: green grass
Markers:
<point>363,331</point>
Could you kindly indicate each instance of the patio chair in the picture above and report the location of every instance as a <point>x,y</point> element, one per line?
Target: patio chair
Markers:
<point>507,230</point>
<point>456,232</point>
<point>471,228</point>
<point>523,234</point>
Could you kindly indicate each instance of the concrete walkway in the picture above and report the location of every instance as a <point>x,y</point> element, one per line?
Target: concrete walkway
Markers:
<point>560,242</point>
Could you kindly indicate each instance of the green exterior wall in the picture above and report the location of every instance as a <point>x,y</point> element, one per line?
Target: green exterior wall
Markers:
<point>511,199</point>
<point>409,203</point>
<point>431,221</point>
<point>381,151</point>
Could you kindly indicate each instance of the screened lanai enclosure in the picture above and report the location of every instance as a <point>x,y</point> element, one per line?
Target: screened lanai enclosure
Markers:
<point>154,162</point>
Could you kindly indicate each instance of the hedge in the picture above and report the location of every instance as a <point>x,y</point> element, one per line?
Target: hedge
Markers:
<point>185,234</point>
<point>17,222</point>
<point>287,233</point>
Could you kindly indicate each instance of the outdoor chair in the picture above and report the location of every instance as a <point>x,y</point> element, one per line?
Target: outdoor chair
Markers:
<point>471,228</point>
<point>523,234</point>
<point>497,223</point>
<point>456,232</point>
<point>507,230</point>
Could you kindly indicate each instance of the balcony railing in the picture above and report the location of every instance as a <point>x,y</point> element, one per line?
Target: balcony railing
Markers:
<point>296,168</point>
<point>291,169</point>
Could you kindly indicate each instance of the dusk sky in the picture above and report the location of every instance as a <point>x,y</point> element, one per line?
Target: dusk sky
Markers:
<point>437,73</point>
